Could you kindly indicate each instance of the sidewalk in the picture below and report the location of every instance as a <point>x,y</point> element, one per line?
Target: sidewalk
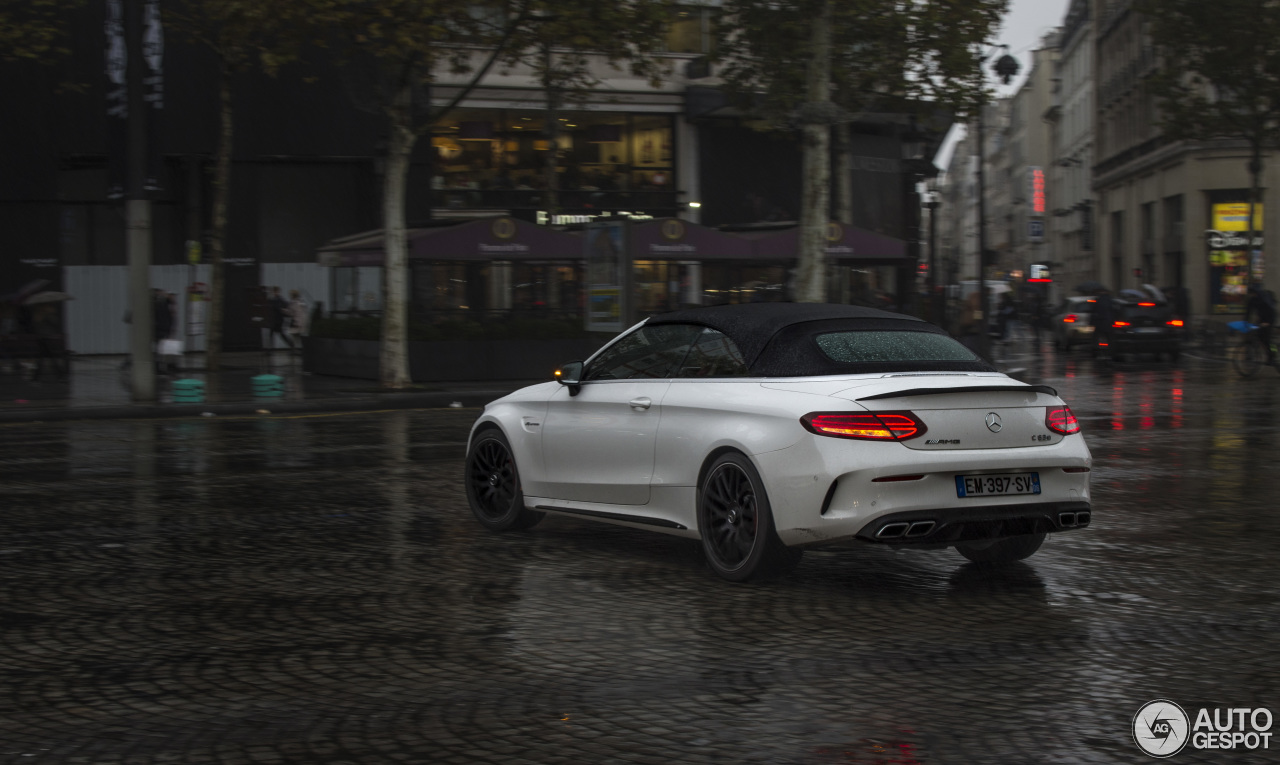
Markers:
<point>97,388</point>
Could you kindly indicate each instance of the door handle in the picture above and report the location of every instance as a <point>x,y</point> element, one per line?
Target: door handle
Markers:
<point>644,402</point>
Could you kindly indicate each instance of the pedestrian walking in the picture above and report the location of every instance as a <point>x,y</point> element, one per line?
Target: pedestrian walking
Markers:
<point>299,318</point>
<point>1005,314</point>
<point>164,319</point>
<point>1263,306</point>
<point>279,314</point>
<point>49,342</point>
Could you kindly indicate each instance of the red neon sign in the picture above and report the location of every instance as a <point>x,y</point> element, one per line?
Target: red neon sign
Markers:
<point>1038,204</point>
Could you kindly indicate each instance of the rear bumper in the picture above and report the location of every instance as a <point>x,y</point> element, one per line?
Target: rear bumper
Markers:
<point>946,526</point>
<point>1140,344</point>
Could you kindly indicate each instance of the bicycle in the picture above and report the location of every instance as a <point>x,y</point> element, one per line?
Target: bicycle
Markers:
<point>1250,354</point>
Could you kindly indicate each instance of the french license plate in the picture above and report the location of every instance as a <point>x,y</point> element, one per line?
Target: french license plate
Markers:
<point>1149,330</point>
<point>1087,329</point>
<point>999,485</point>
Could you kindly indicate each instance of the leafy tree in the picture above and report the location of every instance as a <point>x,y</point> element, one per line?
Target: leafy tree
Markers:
<point>34,30</point>
<point>397,47</point>
<point>1220,74</point>
<point>815,64</point>
<point>243,35</point>
<point>560,40</point>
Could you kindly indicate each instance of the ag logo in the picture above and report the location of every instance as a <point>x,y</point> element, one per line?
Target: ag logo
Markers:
<point>1160,728</point>
<point>503,228</point>
<point>672,229</point>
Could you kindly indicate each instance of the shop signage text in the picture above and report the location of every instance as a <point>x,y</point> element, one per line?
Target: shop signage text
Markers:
<point>1226,240</point>
<point>544,218</point>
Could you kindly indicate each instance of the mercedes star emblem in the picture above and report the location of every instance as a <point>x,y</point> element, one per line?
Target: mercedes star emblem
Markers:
<point>993,422</point>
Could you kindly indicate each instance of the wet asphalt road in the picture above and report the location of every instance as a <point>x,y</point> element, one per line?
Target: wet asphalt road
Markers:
<point>313,589</point>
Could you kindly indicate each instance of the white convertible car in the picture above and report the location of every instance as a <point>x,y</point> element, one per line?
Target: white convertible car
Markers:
<point>766,428</point>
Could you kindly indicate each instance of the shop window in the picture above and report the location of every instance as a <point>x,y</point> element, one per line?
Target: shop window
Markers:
<point>496,158</point>
<point>689,30</point>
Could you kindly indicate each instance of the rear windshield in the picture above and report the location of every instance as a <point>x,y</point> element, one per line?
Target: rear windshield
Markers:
<point>1155,311</point>
<point>887,346</point>
<point>864,346</point>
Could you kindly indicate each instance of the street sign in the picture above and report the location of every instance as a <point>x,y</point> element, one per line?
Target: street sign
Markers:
<point>1035,231</point>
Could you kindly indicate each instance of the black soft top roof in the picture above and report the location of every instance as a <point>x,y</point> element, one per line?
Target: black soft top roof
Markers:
<point>752,325</point>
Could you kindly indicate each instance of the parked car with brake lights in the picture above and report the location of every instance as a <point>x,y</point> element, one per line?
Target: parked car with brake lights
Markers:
<point>1073,323</point>
<point>766,429</point>
<point>1145,326</point>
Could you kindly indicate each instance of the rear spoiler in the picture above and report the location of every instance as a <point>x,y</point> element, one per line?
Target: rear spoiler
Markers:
<point>964,389</point>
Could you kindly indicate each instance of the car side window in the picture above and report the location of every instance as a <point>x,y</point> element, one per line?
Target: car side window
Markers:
<point>713,355</point>
<point>651,352</point>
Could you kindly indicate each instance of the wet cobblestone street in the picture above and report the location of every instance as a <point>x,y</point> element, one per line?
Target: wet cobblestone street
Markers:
<point>313,589</point>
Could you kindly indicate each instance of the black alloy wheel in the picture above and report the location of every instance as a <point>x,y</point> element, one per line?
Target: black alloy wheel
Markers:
<point>493,484</point>
<point>735,522</point>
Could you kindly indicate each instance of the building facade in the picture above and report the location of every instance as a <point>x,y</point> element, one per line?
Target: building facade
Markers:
<point>307,169</point>
<point>1071,116</point>
<point>1169,213</point>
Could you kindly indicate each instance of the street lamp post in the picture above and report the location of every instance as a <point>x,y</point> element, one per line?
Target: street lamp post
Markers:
<point>1006,67</point>
<point>934,302</point>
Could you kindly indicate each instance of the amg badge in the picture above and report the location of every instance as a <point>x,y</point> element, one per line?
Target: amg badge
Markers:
<point>943,441</point>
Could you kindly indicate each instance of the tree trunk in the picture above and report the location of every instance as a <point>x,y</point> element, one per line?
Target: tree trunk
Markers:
<point>394,360</point>
<point>551,199</point>
<point>810,282</point>
<point>217,243</point>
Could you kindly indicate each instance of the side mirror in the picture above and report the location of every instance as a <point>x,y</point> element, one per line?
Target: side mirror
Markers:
<point>570,374</point>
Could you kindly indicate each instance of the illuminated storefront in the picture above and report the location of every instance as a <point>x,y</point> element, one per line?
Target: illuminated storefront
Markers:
<point>1233,263</point>
<point>605,162</point>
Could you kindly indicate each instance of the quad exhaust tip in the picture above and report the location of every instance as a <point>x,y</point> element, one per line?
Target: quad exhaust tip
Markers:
<point>901,530</point>
<point>1073,520</point>
<point>920,528</point>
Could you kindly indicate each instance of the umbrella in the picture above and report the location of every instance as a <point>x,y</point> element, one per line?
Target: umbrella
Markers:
<point>47,297</point>
<point>30,288</point>
<point>1089,287</point>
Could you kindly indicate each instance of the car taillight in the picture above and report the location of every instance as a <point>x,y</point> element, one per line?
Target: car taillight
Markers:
<point>1069,318</point>
<point>866,426</point>
<point>1175,323</point>
<point>1120,324</point>
<point>1147,305</point>
<point>1059,419</point>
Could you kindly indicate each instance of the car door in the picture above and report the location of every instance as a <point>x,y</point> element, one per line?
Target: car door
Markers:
<point>598,445</point>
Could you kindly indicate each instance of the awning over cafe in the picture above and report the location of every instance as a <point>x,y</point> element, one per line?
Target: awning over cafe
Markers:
<point>675,239</point>
<point>482,239</point>
<point>844,242</point>
<point>670,239</point>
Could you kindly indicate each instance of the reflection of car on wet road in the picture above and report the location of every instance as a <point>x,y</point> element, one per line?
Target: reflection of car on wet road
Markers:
<point>1073,322</point>
<point>1145,326</point>
<point>761,429</point>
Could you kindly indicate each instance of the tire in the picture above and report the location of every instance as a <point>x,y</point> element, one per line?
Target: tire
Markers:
<point>493,484</point>
<point>1247,358</point>
<point>1001,551</point>
<point>735,522</point>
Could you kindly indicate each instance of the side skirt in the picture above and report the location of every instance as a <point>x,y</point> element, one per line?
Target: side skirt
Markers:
<point>624,517</point>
